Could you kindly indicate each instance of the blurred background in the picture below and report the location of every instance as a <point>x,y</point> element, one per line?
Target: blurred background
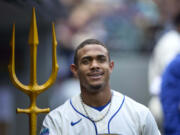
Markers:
<point>129,28</point>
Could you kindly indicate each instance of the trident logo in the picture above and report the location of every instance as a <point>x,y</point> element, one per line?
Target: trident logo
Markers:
<point>33,89</point>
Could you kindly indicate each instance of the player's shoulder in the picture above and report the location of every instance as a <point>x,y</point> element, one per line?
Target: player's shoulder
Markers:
<point>131,104</point>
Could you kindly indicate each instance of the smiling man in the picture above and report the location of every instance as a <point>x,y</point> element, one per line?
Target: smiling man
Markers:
<point>98,109</point>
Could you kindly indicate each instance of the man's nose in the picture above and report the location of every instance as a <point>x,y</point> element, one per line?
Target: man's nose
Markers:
<point>94,64</point>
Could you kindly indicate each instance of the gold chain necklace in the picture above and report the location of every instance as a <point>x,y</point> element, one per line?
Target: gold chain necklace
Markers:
<point>87,114</point>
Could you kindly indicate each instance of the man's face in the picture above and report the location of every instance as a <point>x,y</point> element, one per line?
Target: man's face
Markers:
<point>94,67</point>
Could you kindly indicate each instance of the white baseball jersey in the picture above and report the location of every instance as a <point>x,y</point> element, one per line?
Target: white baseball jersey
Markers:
<point>125,117</point>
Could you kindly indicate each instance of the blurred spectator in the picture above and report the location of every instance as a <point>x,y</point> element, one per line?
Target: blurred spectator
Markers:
<point>165,50</point>
<point>170,98</point>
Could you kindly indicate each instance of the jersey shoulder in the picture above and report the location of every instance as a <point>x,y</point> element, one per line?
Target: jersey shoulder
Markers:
<point>131,104</point>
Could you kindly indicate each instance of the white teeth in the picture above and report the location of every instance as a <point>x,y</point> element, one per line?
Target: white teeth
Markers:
<point>96,75</point>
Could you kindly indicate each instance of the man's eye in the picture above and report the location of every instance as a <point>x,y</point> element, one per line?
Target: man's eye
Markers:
<point>85,61</point>
<point>102,59</point>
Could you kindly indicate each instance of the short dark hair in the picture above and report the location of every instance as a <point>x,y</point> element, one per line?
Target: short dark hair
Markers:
<point>88,42</point>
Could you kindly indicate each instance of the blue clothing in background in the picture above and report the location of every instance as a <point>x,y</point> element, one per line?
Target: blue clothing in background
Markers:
<point>170,97</point>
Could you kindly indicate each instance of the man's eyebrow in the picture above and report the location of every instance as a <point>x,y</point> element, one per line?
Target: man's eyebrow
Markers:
<point>86,57</point>
<point>98,56</point>
<point>101,55</point>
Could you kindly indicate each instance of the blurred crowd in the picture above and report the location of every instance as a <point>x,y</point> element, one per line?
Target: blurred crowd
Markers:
<point>123,25</point>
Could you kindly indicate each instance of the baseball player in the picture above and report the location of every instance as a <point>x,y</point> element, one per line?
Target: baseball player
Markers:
<point>98,110</point>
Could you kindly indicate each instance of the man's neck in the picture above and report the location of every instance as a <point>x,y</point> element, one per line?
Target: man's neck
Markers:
<point>96,99</point>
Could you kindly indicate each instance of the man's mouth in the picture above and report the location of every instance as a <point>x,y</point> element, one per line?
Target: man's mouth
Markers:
<point>96,75</point>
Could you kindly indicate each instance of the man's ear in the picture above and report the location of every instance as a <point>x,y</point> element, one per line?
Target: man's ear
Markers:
<point>74,70</point>
<point>111,65</point>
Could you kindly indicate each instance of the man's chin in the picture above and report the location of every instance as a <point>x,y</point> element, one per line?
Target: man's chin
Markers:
<point>96,87</point>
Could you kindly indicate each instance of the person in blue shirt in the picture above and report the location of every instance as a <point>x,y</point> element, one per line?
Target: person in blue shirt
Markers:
<point>170,97</point>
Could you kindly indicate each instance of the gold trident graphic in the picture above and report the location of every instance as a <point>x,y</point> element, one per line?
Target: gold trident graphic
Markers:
<point>33,89</point>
